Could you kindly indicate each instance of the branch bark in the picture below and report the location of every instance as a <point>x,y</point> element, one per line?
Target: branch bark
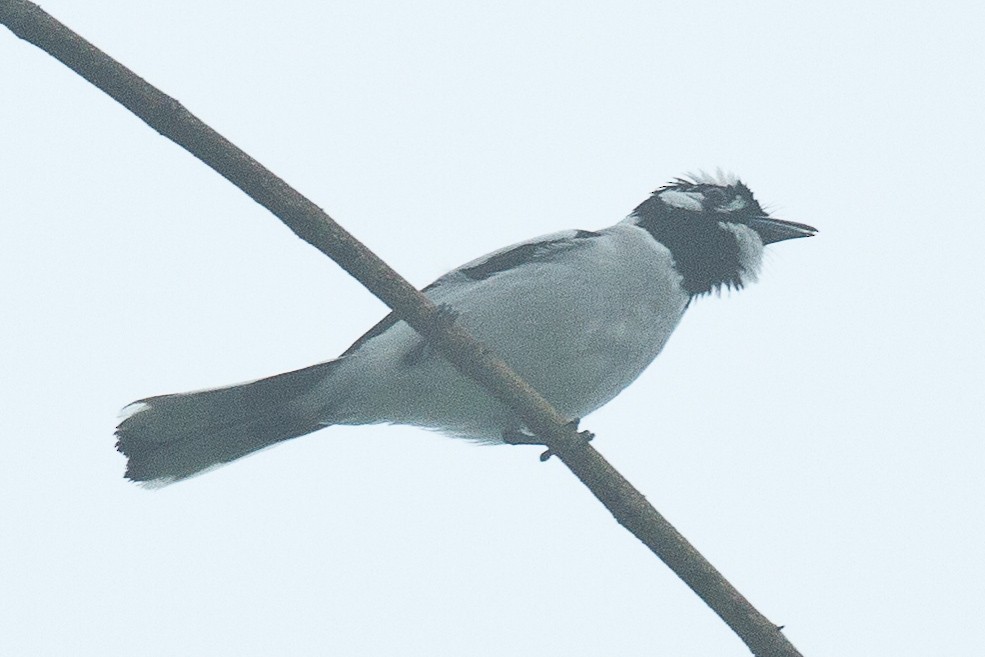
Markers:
<point>630,508</point>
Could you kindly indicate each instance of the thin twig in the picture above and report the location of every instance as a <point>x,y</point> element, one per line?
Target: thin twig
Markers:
<point>314,226</point>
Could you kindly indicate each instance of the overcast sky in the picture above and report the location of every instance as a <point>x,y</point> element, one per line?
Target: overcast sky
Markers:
<point>818,436</point>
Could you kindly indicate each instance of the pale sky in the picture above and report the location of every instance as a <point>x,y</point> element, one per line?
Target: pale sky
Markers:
<point>818,436</point>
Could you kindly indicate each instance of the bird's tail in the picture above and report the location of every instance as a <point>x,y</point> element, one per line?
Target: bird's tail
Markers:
<point>172,437</point>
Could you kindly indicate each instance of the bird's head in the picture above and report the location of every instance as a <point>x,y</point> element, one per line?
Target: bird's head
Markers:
<point>715,230</point>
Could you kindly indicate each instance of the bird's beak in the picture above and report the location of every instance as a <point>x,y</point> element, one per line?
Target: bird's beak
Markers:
<point>776,230</point>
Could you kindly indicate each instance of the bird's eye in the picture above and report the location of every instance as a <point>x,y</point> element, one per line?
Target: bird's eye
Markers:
<point>715,196</point>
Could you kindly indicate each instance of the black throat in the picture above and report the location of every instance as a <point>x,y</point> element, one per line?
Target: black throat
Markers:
<point>705,254</point>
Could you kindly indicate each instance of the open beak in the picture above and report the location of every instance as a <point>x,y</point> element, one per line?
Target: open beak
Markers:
<point>776,230</point>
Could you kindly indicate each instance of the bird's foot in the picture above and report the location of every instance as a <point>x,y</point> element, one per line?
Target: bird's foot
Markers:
<point>446,315</point>
<point>521,437</point>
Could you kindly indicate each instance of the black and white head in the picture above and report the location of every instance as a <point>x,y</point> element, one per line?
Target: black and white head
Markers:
<point>714,229</point>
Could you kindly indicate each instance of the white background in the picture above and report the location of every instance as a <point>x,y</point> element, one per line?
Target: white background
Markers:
<point>818,436</point>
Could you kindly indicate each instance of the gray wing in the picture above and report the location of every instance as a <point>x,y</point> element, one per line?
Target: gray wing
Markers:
<point>539,249</point>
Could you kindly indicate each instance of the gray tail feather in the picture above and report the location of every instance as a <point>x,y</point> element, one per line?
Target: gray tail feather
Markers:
<point>172,437</point>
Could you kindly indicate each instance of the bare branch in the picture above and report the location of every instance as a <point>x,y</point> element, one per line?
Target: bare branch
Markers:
<point>310,223</point>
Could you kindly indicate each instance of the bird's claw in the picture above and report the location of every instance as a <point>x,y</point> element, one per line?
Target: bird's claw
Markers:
<point>445,315</point>
<point>520,437</point>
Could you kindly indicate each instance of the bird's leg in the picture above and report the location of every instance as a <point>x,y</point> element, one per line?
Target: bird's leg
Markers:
<point>521,437</point>
<point>446,315</point>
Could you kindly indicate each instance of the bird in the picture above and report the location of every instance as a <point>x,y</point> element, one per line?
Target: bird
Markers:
<point>579,314</point>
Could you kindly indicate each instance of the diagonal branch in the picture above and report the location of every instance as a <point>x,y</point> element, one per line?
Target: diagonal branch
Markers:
<point>314,226</point>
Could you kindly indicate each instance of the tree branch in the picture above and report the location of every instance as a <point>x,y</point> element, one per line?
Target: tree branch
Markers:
<point>168,117</point>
